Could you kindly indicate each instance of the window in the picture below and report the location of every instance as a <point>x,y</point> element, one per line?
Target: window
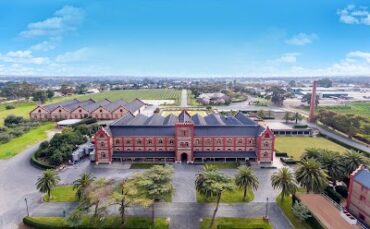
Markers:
<point>171,141</point>
<point>80,110</point>
<point>60,110</point>
<point>138,141</point>
<point>103,155</point>
<point>266,144</point>
<point>117,141</point>
<point>229,141</point>
<point>150,141</point>
<point>128,141</point>
<point>39,111</point>
<point>102,144</point>
<point>160,141</point>
<point>362,198</point>
<point>240,141</point>
<point>120,110</point>
<point>101,110</point>
<point>218,141</point>
<point>184,133</point>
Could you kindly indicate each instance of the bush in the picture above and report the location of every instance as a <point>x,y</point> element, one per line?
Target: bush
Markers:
<point>9,107</point>
<point>32,222</point>
<point>333,194</point>
<point>4,138</point>
<point>288,161</point>
<point>44,145</point>
<point>12,120</point>
<point>2,129</point>
<point>300,126</point>
<point>281,154</point>
<point>342,190</point>
<point>16,132</point>
<point>39,164</point>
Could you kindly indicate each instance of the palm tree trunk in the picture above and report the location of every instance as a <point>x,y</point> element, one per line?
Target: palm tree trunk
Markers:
<point>153,214</point>
<point>122,213</point>
<point>49,194</point>
<point>96,209</point>
<point>245,193</point>
<point>215,211</point>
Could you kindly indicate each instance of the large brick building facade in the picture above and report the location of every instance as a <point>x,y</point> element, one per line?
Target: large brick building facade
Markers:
<point>184,138</point>
<point>358,200</point>
<point>75,109</point>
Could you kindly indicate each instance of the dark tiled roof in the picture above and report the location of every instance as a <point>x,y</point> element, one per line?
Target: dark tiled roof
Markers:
<point>142,130</point>
<point>249,154</point>
<point>113,106</point>
<point>225,131</point>
<point>144,154</point>
<point>198,120</point>
<point>244,119</point>
<point>96,105</point>
<point>134,105</point>
<point>184,116</point>
<point>53,106</point>
<point>155,120</point>
<point>73,106</point>
<point>170,120</point>
<point>363,177</point>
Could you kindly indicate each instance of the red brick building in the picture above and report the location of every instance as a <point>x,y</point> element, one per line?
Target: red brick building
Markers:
<point>76,109</point>
<point>358,200</point>
<point>184,138</point>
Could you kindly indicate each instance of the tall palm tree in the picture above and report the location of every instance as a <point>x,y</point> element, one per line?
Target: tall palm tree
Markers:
<point>332,162</point>
<point>246,179</point>
<point>311,176</point>
<point>213,184</point>
<point>47,181</point>
<point>81,184</point>
<point>284,179</point>
<point>209,167</point>
<point>352,160</point>
<point>311,153</point>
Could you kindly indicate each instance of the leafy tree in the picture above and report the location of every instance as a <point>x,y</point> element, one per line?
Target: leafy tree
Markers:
<point>39,96</point>
<point>352,160</point>
<point>155,184</point>
<point>50,93</point>
<point>47,181</point>
<point>246,179</point>
<point>81,184</point>
<point>12,120</point>
<point>307,99</point>
<point>284,180</point>
<point>292,83</point>
<point>332,162</point>
<point>325,83</point>
<point>300,211</point>
<point>277,95</point>
<point>74,219</point>
<point>298,117</point>
<point>213,184</point>
<point>261,113</point>
<point>287,117</point>
<point>311,176</point>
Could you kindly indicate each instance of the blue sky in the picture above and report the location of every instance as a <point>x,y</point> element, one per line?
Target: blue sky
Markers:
<point>185,38</point>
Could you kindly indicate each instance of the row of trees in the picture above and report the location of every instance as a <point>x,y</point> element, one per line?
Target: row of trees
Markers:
<point>15,126</point>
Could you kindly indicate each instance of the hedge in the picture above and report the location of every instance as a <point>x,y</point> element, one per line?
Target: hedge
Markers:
<point>288,161</point>
<point>342,190</point>
<point>32,222</point>
<point>330,192</point>
<point>39,164</point>
<point>281,154</point>
<point>298,126</point>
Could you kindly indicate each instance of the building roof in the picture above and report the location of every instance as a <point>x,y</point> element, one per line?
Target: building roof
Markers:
<point>210,125</point>
<point>362,176</point>
<point>53,106</point>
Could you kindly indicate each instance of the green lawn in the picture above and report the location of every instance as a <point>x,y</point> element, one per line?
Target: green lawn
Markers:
<point>16,145</point>
<point>356,108</point>
<point>192,101</point>
<point>21,109</point>
<point>62,194</point>
<point>144,165</point>
<point>239,223</point>
<point>108,222</point>
<point>129,95</point>
<point>295,146</point>
<point>227,197</point>
<point>224,165</point>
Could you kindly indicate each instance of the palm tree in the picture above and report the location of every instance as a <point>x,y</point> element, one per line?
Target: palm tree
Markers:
<point>209,167</point>
<point>213,184</point>
<point>81,184</point>
<point>287,117</point>
<point>332,162</point>
<point>284,179</point>
<point>246,179</point>
<point>352,160</point>
<point>311,176</point>
<point>47,181</point>
<point>311,153</point>
<point>297,117</point>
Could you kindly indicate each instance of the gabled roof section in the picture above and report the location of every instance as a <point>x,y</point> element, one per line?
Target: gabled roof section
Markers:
<point>124,120</point>
<point>244,119</point>
<point>155,120</point>
<point>94,106</point>
<point>198,120</point>
<point>362,176</point>
<point>113,106</point>
<point>184,116</point>
<point>134,105</point>
<point>231,121</point>
<point>214,120</point>
<point>53,106</point>
<point>170,120</point>
<point>72,107</point>
<point>138,120</point>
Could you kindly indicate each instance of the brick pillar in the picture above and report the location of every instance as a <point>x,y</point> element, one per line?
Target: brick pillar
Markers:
<point>311,117</point>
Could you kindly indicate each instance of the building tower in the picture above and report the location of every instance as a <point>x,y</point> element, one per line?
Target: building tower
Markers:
<point>311,117</point>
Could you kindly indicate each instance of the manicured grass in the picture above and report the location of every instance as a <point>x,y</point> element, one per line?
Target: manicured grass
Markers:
<point>295,146</point>
<point>192,101</point>
<point>286,206</point>
<point>129,95</point>
<point>227,197</point>
<point>21,109</point>
<point>240,223</point>
<point>224,165</point>
<point>62,194</point>
<point>108,222</point>
<point>177,112</point>
<point>356,108</point>
<point>144,165</point>
<point>16,145</point>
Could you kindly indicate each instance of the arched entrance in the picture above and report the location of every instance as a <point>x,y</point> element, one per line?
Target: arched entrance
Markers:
<point>184,157</point>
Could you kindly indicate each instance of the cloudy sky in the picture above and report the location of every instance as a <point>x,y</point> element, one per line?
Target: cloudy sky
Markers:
<point>185,38</point>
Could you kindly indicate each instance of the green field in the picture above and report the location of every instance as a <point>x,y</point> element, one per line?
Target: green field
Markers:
<point>227,197</point>
<point>192,101</point>
<point>144,165</point>
<point>295,146</point>
<point>88,222</point>
<point>129,95</point>
<point>63,193</point>
<point>356,108</point>
<point>16,145</point>
<point>21,109</point>
<point>239,223</point>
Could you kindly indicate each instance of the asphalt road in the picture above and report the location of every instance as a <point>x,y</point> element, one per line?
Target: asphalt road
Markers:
<point>184,98</point>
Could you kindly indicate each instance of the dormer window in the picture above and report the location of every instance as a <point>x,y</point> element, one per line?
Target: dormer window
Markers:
<point>80,110</point>
<point>120,110</point>
<point>60,110</point>
<point>39,111</point>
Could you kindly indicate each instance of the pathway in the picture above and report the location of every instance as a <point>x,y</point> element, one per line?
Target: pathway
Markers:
<point>184,98</point>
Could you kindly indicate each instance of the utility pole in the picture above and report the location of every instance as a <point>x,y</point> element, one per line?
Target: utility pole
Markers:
<point>267,208</point>
<point>28,213</point>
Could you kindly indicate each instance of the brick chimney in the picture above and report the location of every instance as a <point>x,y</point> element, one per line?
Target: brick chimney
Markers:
<point>311,117</point>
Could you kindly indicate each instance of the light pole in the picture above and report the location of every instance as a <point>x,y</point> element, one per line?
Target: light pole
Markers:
<point>267,208</point>
<point>28,213</point>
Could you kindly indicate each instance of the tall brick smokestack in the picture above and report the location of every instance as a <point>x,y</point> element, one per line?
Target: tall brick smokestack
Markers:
<point>311,117</point>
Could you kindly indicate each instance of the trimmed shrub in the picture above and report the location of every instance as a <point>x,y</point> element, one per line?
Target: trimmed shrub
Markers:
<point>281,154</point>
<point>288,161</point>
<point>4,137</point>
<point>333,194</point>
<point>298,126</point>
<point>16,132</point>
<point>9,107</point>
<point>39,164</point>
<point>12,120</point>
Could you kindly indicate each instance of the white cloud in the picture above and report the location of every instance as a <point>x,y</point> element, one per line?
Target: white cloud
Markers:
<point>354,15</point>
<point>74,56</point>
<point>358,55</point>
<point>23,57</point>
<point>288,58</point>
<point>43,46</point>
<point>64,20</point>
<point>301,39</point>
